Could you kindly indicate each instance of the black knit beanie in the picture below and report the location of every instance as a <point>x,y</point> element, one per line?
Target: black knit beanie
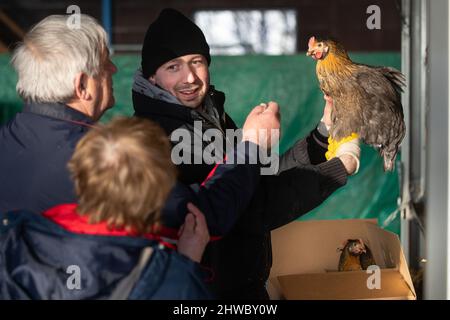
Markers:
<point>170,36</point>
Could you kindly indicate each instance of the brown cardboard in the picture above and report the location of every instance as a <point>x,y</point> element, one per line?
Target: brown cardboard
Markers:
<point>306,257</point>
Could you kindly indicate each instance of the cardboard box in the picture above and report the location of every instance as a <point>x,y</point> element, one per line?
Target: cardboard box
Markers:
<point>306,258</point>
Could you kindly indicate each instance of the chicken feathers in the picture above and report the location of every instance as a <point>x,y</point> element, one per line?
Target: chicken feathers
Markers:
<point>367,99</point>
<point>355,255</point>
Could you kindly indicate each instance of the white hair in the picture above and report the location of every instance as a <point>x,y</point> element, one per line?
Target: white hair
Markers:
<point>52,54</point>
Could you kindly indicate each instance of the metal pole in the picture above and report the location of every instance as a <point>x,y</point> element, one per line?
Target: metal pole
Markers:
<point>406,44</point>
<point>107,19</point>
<point>437,173</point>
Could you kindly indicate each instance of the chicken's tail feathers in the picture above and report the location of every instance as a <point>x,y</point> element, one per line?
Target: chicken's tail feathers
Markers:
<point>397,78</point>
<point>389,159</point>
<point>390,148</point>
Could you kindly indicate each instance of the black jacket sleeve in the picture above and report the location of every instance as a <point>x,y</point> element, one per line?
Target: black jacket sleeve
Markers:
<point>222,196</point>
<point>310,150</point>
<point>304,180</point>
<point>282,198</point>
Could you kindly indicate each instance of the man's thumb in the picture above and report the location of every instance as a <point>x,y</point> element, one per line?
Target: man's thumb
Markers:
<point>273,107</point>
<point>189,223</point>
<point>256,110</point>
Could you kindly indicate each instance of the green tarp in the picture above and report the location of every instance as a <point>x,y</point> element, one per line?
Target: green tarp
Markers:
<point>290,81</point>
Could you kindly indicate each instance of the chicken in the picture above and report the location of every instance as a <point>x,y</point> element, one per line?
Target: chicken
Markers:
<point>355,256</point>
<point>366,99</point>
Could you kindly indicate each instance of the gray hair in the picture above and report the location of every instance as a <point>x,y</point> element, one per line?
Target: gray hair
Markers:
<point>52,54</point>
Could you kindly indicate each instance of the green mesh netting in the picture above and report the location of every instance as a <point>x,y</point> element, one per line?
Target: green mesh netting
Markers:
<point>289,80</point>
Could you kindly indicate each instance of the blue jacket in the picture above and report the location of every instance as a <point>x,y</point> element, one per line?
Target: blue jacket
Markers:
<point>37,143</point>
<point>35,147</point>
<point>37,257</point>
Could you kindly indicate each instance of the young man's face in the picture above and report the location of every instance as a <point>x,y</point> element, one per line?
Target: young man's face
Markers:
<point>186,78</point>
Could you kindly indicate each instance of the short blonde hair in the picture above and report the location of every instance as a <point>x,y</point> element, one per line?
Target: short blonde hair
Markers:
<point>123,173</point>
<point>52,54</point>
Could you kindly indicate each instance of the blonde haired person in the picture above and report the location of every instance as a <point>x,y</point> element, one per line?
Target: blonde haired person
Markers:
<point>123,177</point>
<point>115,242</point>
<point>123,173</point>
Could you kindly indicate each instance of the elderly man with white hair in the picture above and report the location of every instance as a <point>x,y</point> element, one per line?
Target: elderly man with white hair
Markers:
<point>65,80</point>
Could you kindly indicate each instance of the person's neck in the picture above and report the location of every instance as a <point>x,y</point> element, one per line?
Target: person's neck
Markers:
<point>81,108</point>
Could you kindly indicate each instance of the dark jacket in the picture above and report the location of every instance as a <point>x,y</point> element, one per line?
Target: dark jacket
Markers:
<point>38,258</point>
<point>171,117</point>
<point>243,258</point>
<point>36,145</point>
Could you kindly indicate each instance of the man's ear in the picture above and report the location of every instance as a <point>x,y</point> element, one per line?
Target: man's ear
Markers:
<point>152,80</point>
<point>81,83</point>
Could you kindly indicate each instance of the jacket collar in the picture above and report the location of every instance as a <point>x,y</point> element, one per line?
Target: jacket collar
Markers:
<point>145,87</point>
<point>57,111</point>
<point>148,106</point>
<point>67,217</point>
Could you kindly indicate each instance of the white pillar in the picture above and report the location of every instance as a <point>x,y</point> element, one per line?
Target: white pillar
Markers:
<point>437,278</point>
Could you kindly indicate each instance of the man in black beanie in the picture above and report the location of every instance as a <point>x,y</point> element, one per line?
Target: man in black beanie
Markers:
<point>171,36</point>
<point>173,89</point>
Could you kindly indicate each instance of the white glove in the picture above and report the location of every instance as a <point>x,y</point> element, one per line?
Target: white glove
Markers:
<point>350,148</point>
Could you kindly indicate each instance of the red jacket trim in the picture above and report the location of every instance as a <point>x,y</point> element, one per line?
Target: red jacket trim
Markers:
<point>66,216</point>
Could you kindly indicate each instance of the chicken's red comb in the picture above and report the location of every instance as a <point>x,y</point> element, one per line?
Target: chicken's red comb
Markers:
<point>311,41</point>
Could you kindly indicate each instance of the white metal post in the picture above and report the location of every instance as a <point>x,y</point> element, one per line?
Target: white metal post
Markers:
<point>437,173</point>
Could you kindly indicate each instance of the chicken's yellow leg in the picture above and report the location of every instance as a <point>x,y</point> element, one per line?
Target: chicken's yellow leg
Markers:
<point>333,145</point>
